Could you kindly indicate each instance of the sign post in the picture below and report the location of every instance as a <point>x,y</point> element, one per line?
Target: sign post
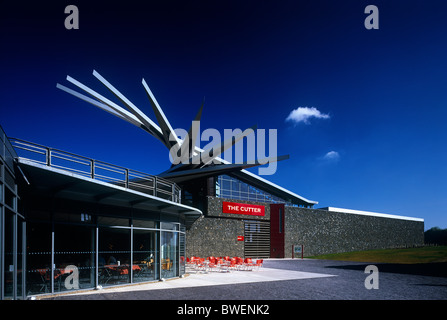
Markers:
<point>298,250</point>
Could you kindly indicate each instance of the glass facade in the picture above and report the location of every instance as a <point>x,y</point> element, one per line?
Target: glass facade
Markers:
<point>169,251</point>
<point>11,226</point>
<point>38,258</point>
<point>145,255</point>
<point>232,188</point>
<point>74,256</point>
<point>91,251</point>
<point>114,256</point>
<point>51,244</point>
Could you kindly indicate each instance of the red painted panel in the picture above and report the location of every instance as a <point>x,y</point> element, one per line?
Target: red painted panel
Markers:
<point>277,230</point>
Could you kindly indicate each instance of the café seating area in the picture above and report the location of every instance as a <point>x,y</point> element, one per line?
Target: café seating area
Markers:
<point>222,264</point>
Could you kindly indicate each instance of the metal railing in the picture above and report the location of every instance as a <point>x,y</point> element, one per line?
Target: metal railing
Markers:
<point>97,170</point>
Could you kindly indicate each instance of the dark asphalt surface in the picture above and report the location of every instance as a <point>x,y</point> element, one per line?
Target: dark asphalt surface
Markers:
<point>396,282</point>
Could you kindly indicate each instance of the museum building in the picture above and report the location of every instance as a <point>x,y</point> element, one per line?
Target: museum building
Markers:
<point>69,222</point>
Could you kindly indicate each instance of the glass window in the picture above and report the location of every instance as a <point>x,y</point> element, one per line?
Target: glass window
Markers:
<point>114,256</point>
<point>226,184</point>
<point>169,254</point>
<point>233,188</point>
<point>112,221</point>
<point>145,255</point>
<point>9,179</point>
<point>20,260</point>
<point>74,257</point>
<point>244,187</point>
<point>144,224</point>
<point>168,226</point>
<point>226,194</point>
<point>9,198</point>
<point>38,259</point>
<point>73,217</point>
<point>9,255</point>
<point>38,215</point>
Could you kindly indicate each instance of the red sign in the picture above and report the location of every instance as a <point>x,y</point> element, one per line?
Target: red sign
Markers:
<point>243,208</point>
<point>240,238</point>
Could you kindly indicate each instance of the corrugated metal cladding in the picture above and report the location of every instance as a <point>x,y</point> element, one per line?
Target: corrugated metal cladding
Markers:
<point>256,239</point>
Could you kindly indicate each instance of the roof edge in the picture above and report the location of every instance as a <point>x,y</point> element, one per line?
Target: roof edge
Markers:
<point>372,214</point>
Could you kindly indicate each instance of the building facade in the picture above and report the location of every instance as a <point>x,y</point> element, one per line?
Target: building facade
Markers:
<point>288,223</point>
<point>282,227</point>
<point>12,225</point>
<point>68,222</point>
<point>73,223</point>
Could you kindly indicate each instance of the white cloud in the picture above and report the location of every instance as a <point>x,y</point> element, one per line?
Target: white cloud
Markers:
<point>303,114</point>
<point>332,155</point>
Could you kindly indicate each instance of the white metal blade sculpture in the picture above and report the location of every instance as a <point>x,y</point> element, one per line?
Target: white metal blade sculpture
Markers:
<point>192,161</point>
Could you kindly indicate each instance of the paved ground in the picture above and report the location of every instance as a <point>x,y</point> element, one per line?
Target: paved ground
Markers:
<point>288,279</point>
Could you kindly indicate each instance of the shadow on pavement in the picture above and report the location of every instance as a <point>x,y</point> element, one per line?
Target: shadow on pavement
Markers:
<point>438,269</point>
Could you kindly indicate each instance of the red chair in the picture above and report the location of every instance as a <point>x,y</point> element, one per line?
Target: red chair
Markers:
<point>233,264</point>
<point>240,262</point>
<point>200,264</point>
<point>212,259</point>
<point>248,264</point>
<point>191,261</point>
<point>211,264</point>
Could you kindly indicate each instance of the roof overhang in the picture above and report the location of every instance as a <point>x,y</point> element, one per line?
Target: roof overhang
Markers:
<point>64,184</point>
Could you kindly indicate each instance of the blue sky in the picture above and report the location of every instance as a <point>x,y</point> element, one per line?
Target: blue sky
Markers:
<point>376,100</point>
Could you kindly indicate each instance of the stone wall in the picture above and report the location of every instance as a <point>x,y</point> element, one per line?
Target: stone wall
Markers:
<point>216,233</point>
<point>322,232</point>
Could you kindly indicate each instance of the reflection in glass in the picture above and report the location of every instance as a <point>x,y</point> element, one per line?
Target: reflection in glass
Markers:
<point>169,254</point>
<point>20,287</point>
<point>38,258</point>
<point>145,255</point>
<point>74,257</point>
<point>112,221</point>
<point>125,254</point>
<point>9,255</point>
<point>114,256</point>
<point>144,223</point>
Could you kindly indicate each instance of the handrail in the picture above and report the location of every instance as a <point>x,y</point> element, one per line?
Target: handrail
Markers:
<point>97,170</point>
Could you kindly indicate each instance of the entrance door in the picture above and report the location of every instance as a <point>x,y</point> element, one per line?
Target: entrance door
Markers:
<point>257,239</point>
<point>277,230</point>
